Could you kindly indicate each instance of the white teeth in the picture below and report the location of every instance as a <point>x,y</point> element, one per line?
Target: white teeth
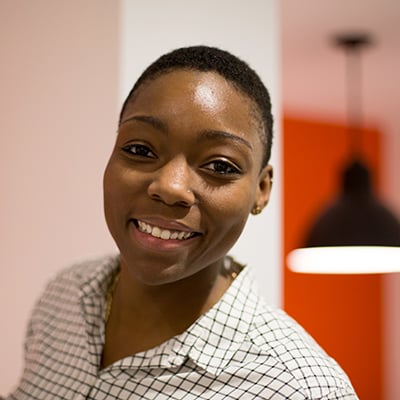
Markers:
<point>156,232</point>
<point>164,234</point>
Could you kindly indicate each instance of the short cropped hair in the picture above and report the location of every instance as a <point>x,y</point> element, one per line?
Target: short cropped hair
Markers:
<point>230,67</point>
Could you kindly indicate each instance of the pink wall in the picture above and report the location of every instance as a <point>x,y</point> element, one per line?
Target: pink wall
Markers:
<point>58,101</point>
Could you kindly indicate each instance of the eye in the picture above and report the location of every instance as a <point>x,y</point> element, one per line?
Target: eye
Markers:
<point>140,150</point>
<point>222,167</point>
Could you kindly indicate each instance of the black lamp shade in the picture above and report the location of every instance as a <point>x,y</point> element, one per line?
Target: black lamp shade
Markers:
<point>357,217</point>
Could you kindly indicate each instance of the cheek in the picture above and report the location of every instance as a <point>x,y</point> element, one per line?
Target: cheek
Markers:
<point>109,182</point>
<point>226,229</point>
<point>231,211</point>
<point>236,201</point>
<point>234,208</point>
<point>115,189</point>
<point>117,181</point>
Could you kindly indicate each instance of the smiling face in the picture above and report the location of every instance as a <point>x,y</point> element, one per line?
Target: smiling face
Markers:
<point>184,175</point>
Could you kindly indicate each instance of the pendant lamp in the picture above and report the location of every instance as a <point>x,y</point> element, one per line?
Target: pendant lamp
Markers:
<point>356,233</point>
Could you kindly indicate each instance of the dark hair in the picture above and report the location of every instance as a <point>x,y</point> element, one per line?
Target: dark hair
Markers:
<point>230,67</point>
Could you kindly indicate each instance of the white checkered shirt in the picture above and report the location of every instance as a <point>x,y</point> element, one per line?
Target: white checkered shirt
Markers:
<point>240,349</point>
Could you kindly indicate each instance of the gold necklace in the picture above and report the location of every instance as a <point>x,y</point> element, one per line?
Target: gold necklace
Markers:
<point>110,295</point>
<point>231,268</point>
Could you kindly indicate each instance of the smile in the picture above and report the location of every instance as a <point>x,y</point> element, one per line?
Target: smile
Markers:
<point>163,233</point>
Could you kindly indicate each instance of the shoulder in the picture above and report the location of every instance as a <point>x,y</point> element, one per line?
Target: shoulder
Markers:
<point>89,272</point>
<point>272,339</point>
<point>57,333</point>
<point>65,290</point>
<point>276,335</point>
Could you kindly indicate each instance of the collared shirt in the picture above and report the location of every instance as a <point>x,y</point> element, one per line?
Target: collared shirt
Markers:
<point>240,349</point>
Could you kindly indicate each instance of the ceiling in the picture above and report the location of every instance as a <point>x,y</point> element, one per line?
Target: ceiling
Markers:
<point>313,68</point>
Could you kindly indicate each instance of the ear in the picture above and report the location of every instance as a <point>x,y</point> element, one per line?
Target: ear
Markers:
<point>263,189</point>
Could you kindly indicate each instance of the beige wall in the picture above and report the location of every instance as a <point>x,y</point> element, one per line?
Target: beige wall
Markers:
<point>58,102</point>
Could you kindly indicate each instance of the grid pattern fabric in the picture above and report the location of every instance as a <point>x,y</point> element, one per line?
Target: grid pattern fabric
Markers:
<point>240,349</point>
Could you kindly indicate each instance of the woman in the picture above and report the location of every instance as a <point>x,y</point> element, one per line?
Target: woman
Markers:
<point>173,316</point>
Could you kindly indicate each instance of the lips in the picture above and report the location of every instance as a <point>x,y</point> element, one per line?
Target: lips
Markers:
<point>163,233</point>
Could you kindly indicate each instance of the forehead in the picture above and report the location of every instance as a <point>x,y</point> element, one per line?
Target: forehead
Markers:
<point>192,102</point>
<point>193,92</point>
<point>207,90</point>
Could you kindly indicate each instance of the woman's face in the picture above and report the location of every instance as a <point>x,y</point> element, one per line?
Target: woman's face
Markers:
<point>184,174</point>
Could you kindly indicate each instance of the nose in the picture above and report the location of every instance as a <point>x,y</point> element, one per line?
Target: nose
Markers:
<point>171,183</point>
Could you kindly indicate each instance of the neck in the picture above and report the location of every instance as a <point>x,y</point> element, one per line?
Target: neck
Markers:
<point>174,306</point>
<point>144,316</point>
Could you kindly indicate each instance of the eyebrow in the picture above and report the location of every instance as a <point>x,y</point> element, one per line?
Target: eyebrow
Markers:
<point>215,134</point>
<point>207,134</point>
<point>155,122</point>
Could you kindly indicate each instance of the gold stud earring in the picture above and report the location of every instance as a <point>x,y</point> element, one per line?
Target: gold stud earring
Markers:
<point>256,210</point>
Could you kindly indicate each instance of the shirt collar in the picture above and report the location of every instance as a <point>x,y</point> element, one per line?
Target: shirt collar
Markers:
<point>210,342</point>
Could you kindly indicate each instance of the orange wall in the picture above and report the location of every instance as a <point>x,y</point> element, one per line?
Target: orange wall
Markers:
<point>343,313</point>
